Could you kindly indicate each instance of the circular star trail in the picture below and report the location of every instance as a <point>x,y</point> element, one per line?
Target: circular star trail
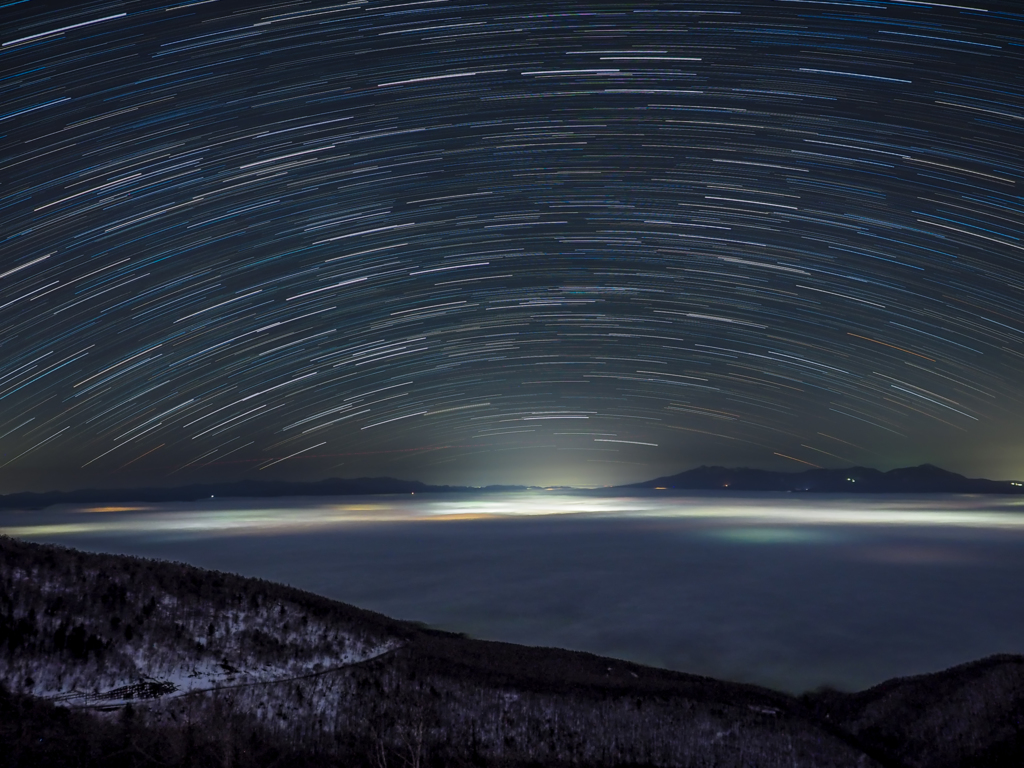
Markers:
<point>464,242</point>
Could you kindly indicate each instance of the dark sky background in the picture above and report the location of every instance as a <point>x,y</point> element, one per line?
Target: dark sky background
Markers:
<point>560,242</point>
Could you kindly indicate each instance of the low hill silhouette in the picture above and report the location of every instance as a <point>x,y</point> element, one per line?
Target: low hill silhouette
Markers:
<point>334,486</point>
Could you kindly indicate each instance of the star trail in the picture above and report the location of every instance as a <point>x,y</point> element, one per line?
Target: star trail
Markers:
<point>568,242</point>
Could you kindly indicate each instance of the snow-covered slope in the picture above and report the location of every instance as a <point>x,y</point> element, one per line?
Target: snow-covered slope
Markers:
<point>143,656</point>
<point>91,629</point>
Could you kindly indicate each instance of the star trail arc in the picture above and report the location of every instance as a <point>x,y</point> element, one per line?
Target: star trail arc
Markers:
<point>422,238</point>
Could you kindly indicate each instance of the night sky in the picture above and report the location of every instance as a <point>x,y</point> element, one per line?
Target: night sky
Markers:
<point>559,242</point>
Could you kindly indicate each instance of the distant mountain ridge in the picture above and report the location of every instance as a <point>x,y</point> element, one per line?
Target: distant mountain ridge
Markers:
<point>926,478</point>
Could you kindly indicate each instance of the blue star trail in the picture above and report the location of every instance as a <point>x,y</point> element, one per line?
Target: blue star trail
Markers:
<point>508,242</point>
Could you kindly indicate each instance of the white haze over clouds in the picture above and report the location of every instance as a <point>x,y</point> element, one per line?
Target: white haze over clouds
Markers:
<point>787,591</point>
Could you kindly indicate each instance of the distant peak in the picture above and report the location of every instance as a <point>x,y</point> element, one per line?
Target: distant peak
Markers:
<point>924,478</point>
<point>923,469</point>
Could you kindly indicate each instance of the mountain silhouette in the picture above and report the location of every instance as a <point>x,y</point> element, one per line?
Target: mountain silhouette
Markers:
<point>925,478</point>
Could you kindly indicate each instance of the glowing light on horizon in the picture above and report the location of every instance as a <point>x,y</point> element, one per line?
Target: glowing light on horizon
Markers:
<point>246,518</point>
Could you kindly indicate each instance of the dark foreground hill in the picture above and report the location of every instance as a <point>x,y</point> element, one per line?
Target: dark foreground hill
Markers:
<point>926,478</point>
<point>116,661</point>
<point>970,715</point>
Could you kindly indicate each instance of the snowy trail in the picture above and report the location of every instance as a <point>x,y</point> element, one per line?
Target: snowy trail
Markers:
<point>112,704</point>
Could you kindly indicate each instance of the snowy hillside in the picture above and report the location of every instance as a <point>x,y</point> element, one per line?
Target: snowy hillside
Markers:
<point>165,664</point>
<point>85,629</point>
